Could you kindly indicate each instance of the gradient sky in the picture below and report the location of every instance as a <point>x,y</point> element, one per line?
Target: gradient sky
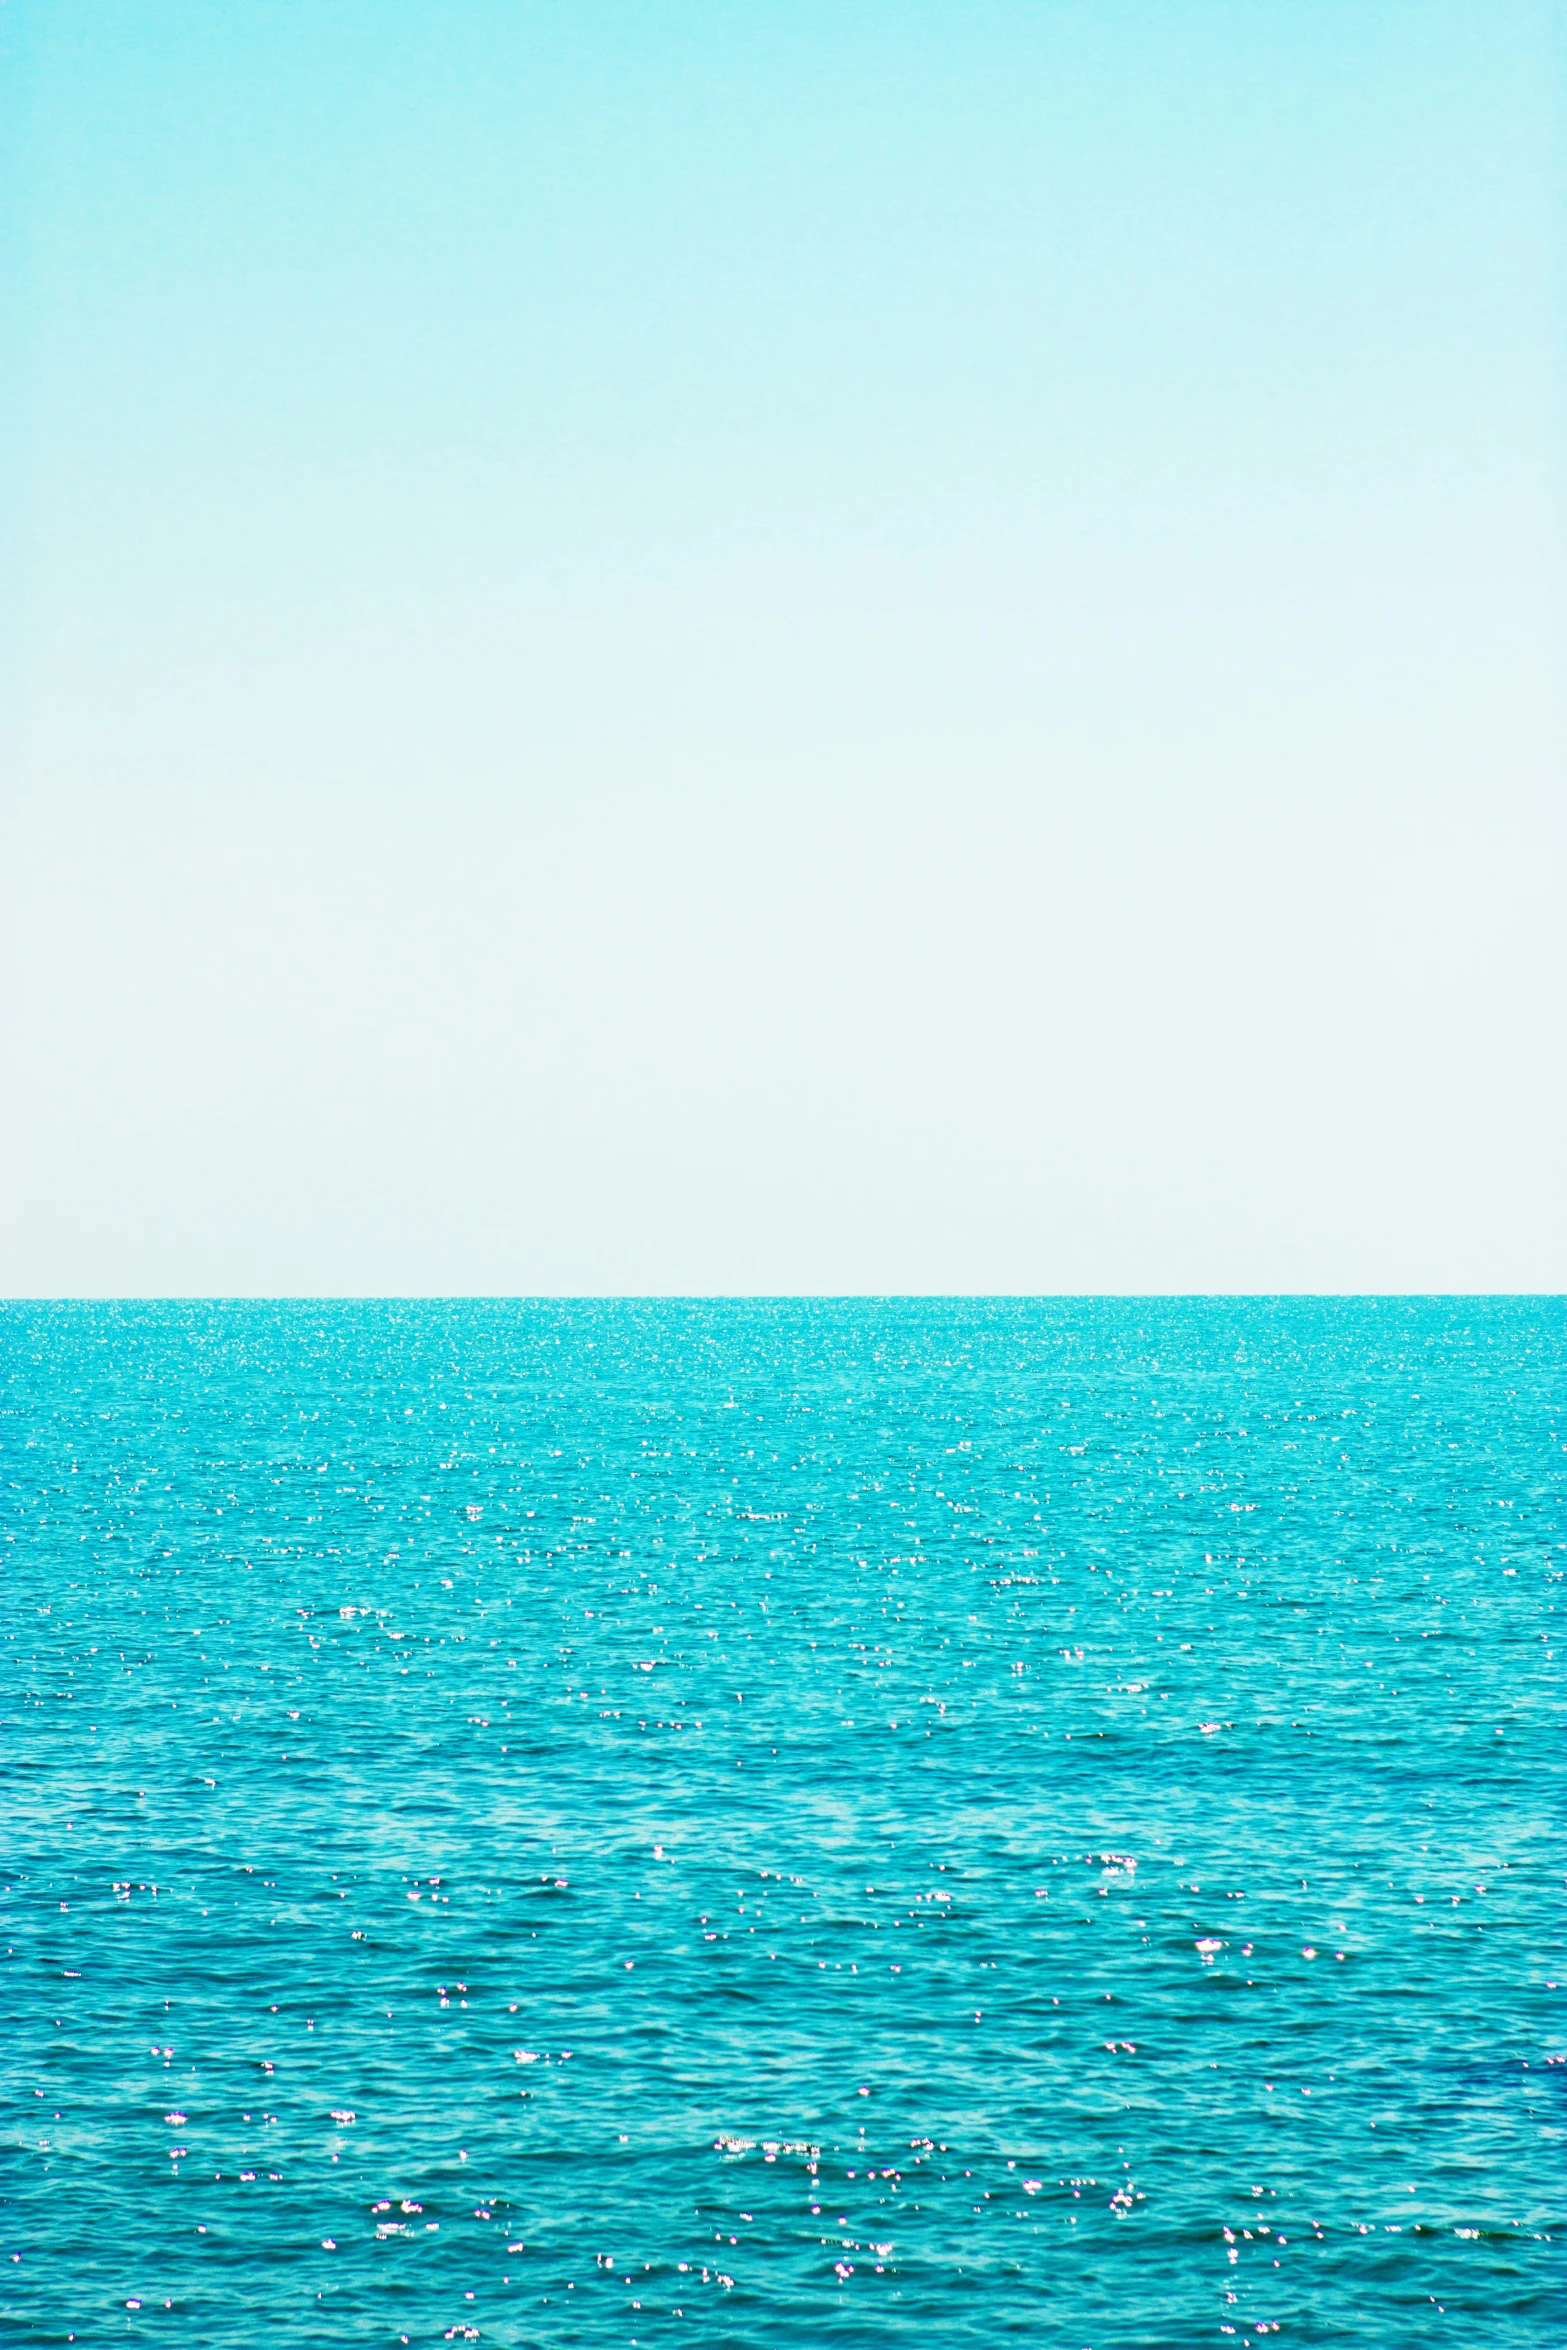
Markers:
<point>782,647</point>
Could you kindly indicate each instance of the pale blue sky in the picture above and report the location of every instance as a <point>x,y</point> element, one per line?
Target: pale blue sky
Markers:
<point>784,647</point>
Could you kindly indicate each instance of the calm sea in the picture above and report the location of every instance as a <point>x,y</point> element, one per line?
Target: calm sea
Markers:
<point>657,1823</point>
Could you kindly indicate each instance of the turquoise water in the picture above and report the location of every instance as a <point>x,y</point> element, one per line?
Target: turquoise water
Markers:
<point>649,1823</point>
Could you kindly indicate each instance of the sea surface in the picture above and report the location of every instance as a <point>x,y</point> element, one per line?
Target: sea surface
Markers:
<point>856,1822</point>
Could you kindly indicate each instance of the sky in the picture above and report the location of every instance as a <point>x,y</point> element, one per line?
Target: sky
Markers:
<point>787,647</point>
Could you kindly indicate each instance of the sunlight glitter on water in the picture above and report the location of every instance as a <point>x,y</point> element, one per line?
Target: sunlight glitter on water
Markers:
<point>861,1978</point>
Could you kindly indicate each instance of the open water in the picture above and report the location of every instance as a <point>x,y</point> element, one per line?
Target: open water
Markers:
<point>663,1823</point>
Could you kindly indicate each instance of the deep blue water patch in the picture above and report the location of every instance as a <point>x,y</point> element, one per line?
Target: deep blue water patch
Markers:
<point>651,1823</point>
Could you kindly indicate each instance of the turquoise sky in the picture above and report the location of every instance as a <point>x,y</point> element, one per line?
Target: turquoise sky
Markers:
<point>784,647</point>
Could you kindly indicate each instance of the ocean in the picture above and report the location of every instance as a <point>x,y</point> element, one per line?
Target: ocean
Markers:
<point>656,1822</point>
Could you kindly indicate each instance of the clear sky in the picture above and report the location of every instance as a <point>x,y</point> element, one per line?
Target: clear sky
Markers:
<point>895,645</point>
